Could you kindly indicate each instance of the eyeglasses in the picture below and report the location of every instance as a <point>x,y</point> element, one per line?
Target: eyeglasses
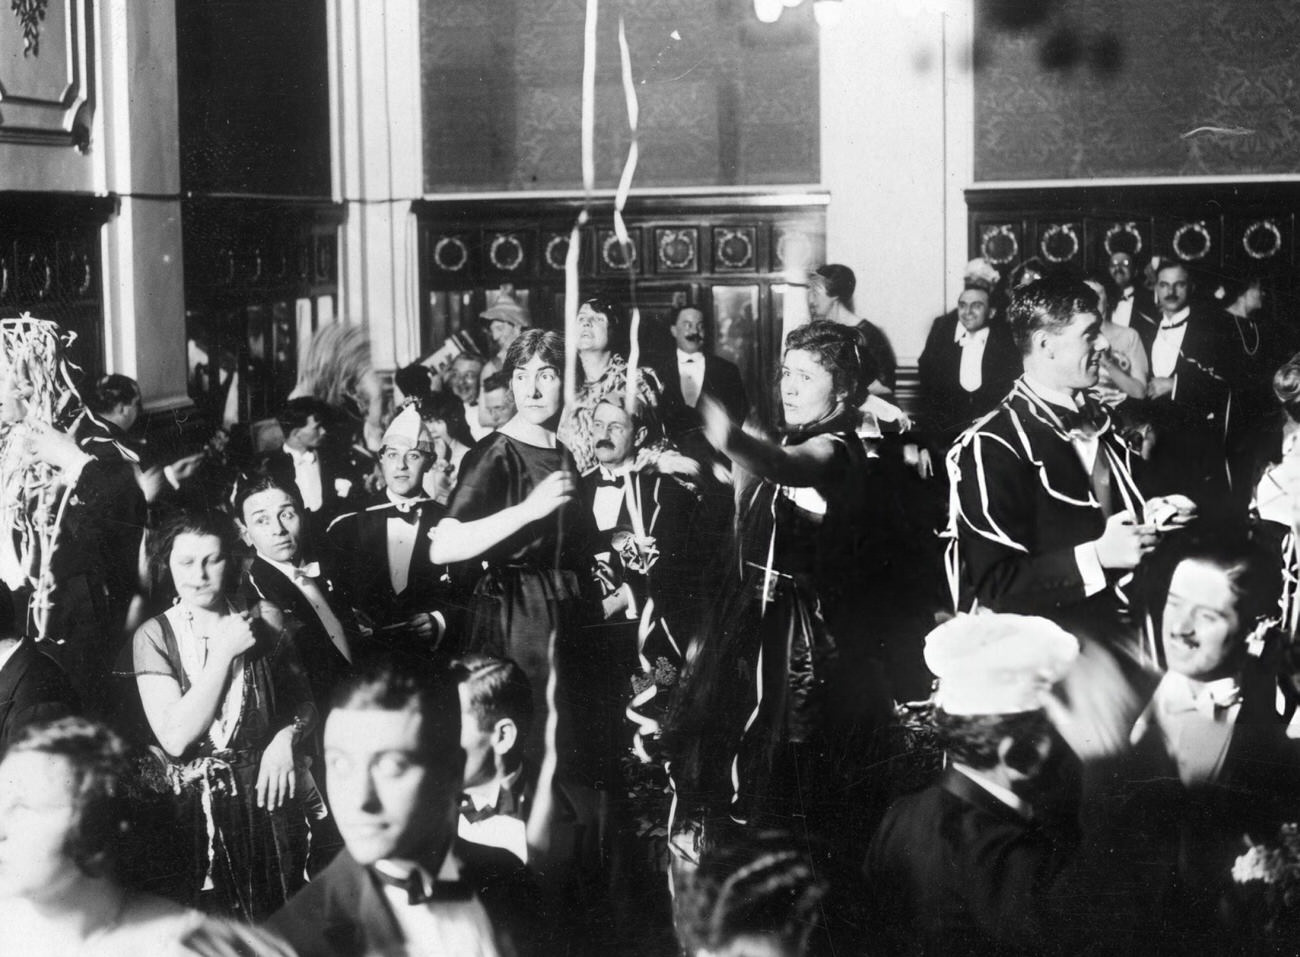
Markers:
<point>393,456</point>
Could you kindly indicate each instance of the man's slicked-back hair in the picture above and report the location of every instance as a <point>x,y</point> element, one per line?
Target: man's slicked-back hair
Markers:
<point>1048,304</point>
<point>498,688</point>
<point>252,485</point>
<point>392,681</point>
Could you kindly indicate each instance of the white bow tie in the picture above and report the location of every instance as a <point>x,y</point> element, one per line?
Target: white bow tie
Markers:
<point>308,570</point>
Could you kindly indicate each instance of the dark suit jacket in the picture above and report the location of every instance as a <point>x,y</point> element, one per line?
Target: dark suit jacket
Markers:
<point>721,381</point>
<point>1207,367</point>
<point>672,518</point>
<point>344,913</point>
<point>946,408</point>
<point>357,546</point>
<point>32,688</point>
<point>1025,501</point>
<point>324,663</point>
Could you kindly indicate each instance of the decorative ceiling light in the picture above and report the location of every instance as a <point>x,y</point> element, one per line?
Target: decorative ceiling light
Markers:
<point>827,12</point>
<point>768,11</point>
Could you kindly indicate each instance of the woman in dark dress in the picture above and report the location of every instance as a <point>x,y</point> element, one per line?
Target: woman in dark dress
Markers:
<point>790,630</point>
<point>522,537</point>
<point>228,702</point>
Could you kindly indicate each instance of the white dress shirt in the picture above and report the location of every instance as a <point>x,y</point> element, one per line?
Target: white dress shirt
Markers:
<point>506,831</point>
<point>306,475</point>
<point>607,503</point>
<point>1196,720</point>
<point>690,368</point>
<point>1087,447</point>
<point>440,927</point>
<point>1123,314</point>
<point>1169,343</point>
<point>305,582</point>
<point>971,375</point>
<point>401,544</point>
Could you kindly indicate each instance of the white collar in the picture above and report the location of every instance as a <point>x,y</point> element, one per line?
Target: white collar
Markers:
<point>6,654</point>
<point>1178,317</point>
<point>1052,396</point>
<point>1006,796</point>
<point>962,334</point>
<point>449,871</point>
<point>688,356</point>
<point>1176,688</point>
<point>304,457</point>
<point>285,568</point>
<point>404,504</point>
<point>488,794</point>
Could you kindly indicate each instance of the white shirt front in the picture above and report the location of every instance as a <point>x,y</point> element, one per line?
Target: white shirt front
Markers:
<point>607,503</point>
<point>1196,720</point>
<point>690,368</point>
<point>312,592</point>
<point>971,374</point>
<point>306,475</point>
<point>401,546</point>
<point>1169,343</point>
<point>440,927</point>
<point>1123,314</point>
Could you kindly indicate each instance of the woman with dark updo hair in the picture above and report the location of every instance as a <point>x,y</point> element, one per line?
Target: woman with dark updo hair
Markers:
<point>444,414</point>
<point>830,297</point>
<point>791,619</point>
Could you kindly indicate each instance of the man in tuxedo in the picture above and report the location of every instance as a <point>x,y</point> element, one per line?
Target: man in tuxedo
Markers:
<point>966,368</point>
<point>405,885</point>
<point>381,552</point>
<point>464,378</point>
<point>325,484</point>
<point>323,628</point>
<point>1191,350</point>
<point>1045,517</point>
<point>496,713</point>
<point>1124,292</point>
<point>690,373</point>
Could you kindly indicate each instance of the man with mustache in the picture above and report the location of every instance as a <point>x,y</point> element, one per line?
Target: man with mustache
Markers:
<point>1045,517</point>
<point>1192,378</point>
<point>691,373</point>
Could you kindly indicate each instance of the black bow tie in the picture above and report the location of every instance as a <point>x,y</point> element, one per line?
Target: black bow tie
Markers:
<point>418,893</point>
<point>602,481</point>
<point>1089,417</point>
<point>475,814</point>
<point>410,515</point>
<point>1166,324</point>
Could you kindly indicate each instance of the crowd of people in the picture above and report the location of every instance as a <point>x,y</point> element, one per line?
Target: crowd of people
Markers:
<point>528,666</point>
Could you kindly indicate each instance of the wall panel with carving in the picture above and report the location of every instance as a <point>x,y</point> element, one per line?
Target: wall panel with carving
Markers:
<point>724,100</point>
<point>1109,88</point>
<point>46,72</point>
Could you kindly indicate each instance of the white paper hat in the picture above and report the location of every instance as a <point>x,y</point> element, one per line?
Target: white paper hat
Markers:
<point>997,664</point>
<point>408,431</point>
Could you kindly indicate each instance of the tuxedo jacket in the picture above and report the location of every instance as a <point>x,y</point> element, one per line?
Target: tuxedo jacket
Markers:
<point>32,688</point>
<point>334,468</point>
<point>1021,501</point>
<point>946,408</point>
<point>324,663</point>
<point>671,513</point>
<point>343,912</point>
<point>357,547</point>
<point>1207,368</point>
<point>722,381</point>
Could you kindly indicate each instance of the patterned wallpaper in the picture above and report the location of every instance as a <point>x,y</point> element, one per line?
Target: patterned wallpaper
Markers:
<point>1177,66</point>
<point>723,99</point>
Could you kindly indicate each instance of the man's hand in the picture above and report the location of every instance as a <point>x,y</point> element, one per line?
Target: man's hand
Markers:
<point>1097,706</point>
<point>1124,542</point>
<point>1160,386</point>
<point>717,424</point>
<point>550,495</point>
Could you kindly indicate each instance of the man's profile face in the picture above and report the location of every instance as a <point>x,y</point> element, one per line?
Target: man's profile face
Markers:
<point>502,333</point>
<point>310,435</point>
<point>1074,352</point>
<point>1173,287</point>
<point>1121,269</point>
<point>688,330</point>
<point>389,799</point>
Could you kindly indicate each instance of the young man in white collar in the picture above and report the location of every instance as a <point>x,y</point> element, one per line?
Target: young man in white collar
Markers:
<point>324,631</point>
<point>384,575</point>
<point>1193,373</point>
<point>405,884</point>
<point>496,713</point>
<point>325,487</point>
<point>1045,516</point>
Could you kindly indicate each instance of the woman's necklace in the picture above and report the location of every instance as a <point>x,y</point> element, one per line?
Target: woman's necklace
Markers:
<point>227,717</point>
<point>1241,334</point>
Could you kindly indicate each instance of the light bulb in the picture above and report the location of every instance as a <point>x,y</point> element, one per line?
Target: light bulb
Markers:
<point>792,3</point>
<point>828,12</point>
<point>768,11</point>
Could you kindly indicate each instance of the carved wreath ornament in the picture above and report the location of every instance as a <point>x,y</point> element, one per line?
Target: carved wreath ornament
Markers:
<point>30,13</point>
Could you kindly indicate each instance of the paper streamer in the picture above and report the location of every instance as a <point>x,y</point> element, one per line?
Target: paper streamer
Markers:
<point>620,200</point>
<point>588,183</point>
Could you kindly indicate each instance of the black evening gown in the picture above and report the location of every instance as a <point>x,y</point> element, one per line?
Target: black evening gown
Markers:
<point>536,583</point>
